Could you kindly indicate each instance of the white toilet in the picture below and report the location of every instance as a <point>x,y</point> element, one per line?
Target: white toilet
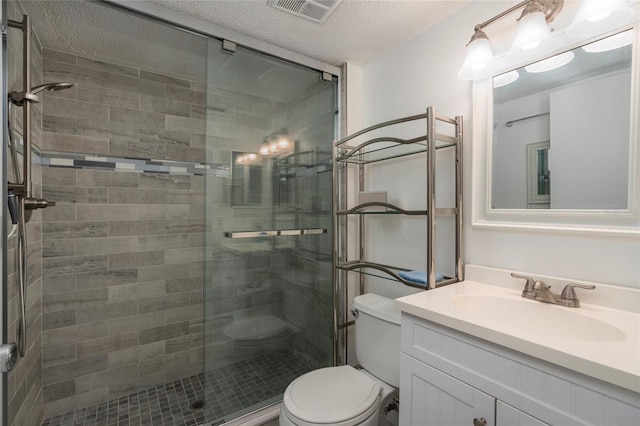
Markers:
<point>343,395</point>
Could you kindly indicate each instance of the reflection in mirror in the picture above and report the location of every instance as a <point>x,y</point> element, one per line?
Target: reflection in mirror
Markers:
<point>247,171</point>
<point>561,132</point>
<point>253,182</point>
<point>538,176</point>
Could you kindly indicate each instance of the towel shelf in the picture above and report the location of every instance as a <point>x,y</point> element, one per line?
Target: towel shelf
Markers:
<point>388,272</point>
<point>409,136</point>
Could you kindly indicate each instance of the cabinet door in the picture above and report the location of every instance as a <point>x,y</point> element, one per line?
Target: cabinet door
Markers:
<point>429,397</point>
<point>507,415</point>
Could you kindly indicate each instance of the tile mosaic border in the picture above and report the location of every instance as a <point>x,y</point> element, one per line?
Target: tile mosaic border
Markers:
<point>83,161</point>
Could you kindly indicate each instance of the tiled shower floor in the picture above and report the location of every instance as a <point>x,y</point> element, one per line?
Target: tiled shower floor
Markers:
<point>229,389</point>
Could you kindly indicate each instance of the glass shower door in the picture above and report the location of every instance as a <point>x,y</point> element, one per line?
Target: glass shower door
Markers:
<point>268,268</point>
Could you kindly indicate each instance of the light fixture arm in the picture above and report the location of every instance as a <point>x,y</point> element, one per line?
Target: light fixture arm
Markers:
<point>550,8</point>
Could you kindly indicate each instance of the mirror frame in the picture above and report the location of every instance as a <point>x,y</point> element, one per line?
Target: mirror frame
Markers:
<point>624,223</point>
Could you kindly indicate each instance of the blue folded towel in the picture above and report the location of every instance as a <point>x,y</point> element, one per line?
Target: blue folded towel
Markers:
<point>417,277</point>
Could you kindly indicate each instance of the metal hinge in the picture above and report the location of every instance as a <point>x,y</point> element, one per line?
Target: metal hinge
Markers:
<point>229,47</point>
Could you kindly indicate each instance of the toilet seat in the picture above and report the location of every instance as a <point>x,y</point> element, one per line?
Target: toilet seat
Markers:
<point>333,395</point>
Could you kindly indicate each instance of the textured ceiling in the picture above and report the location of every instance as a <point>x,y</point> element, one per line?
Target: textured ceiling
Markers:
<point>357,31</point>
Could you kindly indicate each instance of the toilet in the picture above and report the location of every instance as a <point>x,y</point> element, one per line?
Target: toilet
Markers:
<point>344,395</point>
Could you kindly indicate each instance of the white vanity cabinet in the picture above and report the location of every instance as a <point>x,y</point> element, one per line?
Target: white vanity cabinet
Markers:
<point>449,378</point>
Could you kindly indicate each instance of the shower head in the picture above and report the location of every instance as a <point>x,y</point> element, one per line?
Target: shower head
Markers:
<point>19,98</point>
<point>52,87</point>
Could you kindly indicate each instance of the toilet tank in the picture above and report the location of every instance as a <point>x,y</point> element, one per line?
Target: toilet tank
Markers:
<point>378,337</point>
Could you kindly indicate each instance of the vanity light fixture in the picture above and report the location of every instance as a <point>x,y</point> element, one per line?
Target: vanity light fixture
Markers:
<point>599,16</point>
<point>275,146</point>
<point>532,31</point>
<point>551,63</point>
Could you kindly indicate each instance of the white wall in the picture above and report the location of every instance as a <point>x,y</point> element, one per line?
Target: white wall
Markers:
<point>599,180</point>
<point>423,72</point>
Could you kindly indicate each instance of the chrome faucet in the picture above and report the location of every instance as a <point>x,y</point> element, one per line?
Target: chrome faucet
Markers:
<point>540,291</point>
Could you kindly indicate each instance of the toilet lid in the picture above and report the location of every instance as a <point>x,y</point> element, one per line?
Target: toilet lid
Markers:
<point>331,395</point>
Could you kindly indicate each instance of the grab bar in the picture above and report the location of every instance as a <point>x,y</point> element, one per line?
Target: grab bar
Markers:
<point>275,233</point>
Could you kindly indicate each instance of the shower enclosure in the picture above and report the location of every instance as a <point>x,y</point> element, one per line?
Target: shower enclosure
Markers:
<point>268,291</point>
<point>184,273</point>
<point>268,221</point>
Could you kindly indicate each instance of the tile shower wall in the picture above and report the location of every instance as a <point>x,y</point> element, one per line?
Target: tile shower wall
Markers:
<point>123,249</point>
<point>24,382</point>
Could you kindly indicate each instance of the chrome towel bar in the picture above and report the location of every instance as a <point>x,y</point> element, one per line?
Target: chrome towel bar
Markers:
<point>275,233</point>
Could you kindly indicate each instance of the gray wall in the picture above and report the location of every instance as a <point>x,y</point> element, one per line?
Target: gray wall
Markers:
<point>123,249</point>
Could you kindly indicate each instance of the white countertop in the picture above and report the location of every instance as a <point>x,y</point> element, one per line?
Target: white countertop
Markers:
<point>605,344</point>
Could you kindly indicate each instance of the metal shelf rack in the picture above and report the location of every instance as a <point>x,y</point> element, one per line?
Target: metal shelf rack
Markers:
<point>375,145</point>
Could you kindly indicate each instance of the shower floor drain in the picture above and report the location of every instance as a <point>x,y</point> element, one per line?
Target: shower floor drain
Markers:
<point>197,405</point>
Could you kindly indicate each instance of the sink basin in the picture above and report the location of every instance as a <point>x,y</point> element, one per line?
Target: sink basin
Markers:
<point>536,318</point>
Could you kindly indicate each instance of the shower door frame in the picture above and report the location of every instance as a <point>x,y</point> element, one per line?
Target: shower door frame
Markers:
<point>3,172</point>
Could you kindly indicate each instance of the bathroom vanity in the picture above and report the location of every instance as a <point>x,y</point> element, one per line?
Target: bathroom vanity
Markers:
<point>476,353</point>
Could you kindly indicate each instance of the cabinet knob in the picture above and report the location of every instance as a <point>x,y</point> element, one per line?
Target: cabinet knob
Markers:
<point>479,421</point>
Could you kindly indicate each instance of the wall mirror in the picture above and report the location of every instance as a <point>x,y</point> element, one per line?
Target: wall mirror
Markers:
<point>254,175</point>
<point>560,136</point>
<point>578,102</point>
<point>247,179</point>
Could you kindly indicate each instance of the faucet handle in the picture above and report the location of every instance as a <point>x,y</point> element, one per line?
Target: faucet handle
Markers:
<point>568,293</point>
<point>528,287</point>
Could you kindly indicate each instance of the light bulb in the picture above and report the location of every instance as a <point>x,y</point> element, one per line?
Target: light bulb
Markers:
<point>283,143</point>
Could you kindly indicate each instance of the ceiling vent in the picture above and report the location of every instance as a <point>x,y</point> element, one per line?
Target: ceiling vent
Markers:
<point>313,10</point>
